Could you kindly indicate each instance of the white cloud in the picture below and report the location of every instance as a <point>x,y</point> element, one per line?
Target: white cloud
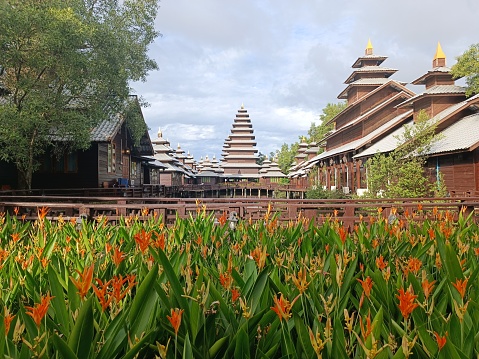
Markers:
<point>285,60</point>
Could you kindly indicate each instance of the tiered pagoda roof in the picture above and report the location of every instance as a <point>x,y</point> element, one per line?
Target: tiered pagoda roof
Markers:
<point>441,90</point>
<point>169,157</point>
<point>366,76</point>
<point>239,152</point>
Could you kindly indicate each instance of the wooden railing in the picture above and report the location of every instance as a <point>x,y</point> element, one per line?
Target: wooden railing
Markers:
<point>230,189</point>
<point>347,210</point>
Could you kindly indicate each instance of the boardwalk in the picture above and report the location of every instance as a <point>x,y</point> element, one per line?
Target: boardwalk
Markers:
<point>348,211</point>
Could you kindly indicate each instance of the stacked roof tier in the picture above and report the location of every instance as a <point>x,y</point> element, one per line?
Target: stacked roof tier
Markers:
<point>239,152</point>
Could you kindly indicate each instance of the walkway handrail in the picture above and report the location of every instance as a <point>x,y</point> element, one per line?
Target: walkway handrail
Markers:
<point>347,210</point>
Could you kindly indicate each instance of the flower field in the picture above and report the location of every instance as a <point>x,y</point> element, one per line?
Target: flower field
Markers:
<point>206,287</point>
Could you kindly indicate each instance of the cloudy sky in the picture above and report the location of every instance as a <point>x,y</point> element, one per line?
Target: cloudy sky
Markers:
<point>285,60</point>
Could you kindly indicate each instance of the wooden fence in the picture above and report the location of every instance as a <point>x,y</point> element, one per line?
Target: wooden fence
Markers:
<point>168,209</point>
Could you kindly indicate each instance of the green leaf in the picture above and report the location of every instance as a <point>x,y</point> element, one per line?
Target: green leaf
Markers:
<point>176,287</point>
<point>218,346</point>
<point>132,353</point>
<point>58,301</point>
<point>303,336</point>
<point>187,349</point>
<point>242,345</point>
<point>258,290</point>
<point>452,264</point>
<point>80,340</point>
<point>143,304</point>
<point>62,348</point>
<point>115,337</point>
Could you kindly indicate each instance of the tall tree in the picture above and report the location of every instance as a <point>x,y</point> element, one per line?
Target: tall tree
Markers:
<point>317,132</point>
<point>285,156</point>
<point>467,66</point>
<point>65,65</point>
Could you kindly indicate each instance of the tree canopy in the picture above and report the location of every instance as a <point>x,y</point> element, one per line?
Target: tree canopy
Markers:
<point>317,132</point>
<point>468,66</point>
<point>65,65</point>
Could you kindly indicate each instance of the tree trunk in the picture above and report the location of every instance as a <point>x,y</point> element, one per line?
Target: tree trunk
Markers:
<point>24,179</point>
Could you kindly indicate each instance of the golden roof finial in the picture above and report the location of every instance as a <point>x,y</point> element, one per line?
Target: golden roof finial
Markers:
<point>159,132</point>
<point>369,48</point>
<point>242,106</point>
<point>439,53</point>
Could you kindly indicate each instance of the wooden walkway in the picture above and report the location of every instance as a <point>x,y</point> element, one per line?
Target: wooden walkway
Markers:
<point>348,211</point>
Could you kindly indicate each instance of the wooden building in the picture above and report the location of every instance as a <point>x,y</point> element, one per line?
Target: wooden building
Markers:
<point>371,113</point>
<point>455,155</point>
<point>176,172</point>
<point>270,173</point>
<point>113,159</point>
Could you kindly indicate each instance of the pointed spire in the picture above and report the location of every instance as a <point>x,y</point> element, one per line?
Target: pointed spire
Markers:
<point>369,48</point>
<point>242,106</point>
<point>439,57</point>
<point>439,53</point>
<point>160,134</point>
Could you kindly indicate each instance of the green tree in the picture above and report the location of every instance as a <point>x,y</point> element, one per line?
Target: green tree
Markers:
<point>261,158</point>
<point>65,65</point>
<point>285,156</point>
<point>401,172</point>
<point>317,133</point>
<point>467,66</point>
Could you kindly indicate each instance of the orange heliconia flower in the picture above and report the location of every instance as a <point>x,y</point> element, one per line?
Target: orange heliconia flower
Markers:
<point>414,264</point>
<point>16,210</point>
<point>83,283</point>
<point>117,283</point>
<point>143,240</point>
<point>432,233</point>
<point>342,234</point>
<point>461,286</point>
<point>223,218</point>
<point>225,280</point>
<point>235,294</point>
<point>118,256</point>
<point>380,263</point>
<point>259,255</point>
<point>42,212</point>
<point>366,331</point>
<point>300,280</point>
<point>175,319</point>
<point>7,320</point>
<point>282,307</point>
<point>39,311</point>
<point>102,292</point>
<point>441,341</point>
<point>427,287</point>
<point>160,241</point>
<point>367,285</point>
<point>15,237</point>
<point>407,301</point>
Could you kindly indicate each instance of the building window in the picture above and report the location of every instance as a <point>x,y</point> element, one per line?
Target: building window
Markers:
<point>71,162</point>
<point>111,157</point>
<point>63,163</point>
